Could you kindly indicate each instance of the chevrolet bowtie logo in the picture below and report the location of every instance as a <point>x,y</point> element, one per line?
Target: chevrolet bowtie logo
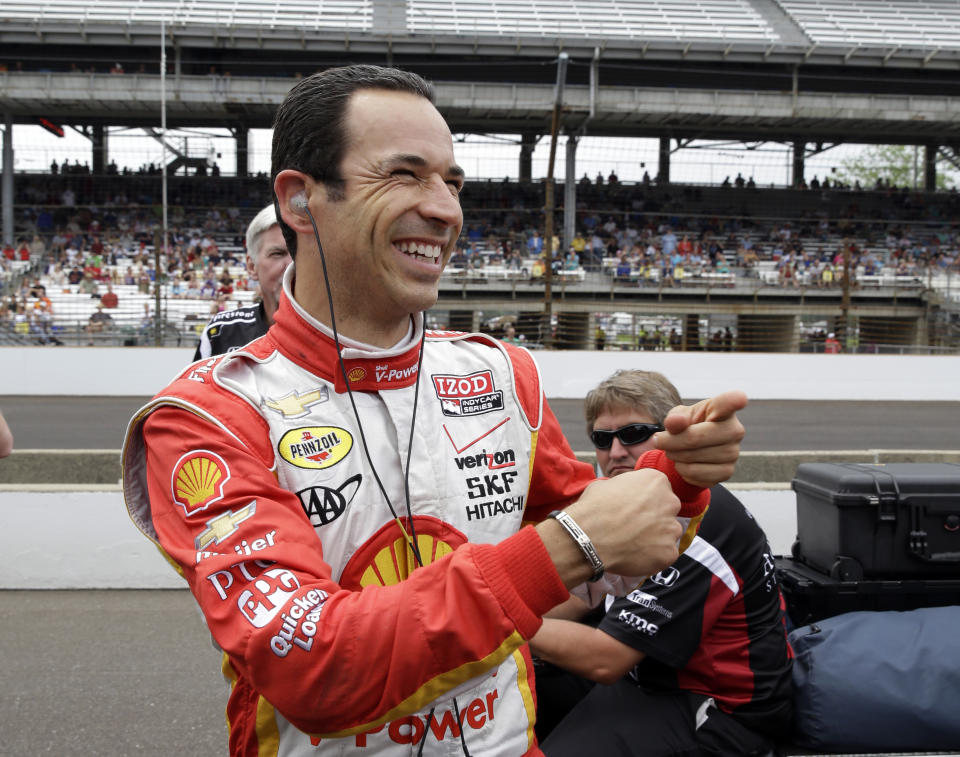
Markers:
<point>224,525</point>
<point>294,405</point>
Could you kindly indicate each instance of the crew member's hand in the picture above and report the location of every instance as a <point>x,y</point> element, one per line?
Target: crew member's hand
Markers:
<point>632,521</point>
<point>703,440</point>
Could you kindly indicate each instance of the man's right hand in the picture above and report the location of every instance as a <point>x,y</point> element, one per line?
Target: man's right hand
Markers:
<point>631,520</point>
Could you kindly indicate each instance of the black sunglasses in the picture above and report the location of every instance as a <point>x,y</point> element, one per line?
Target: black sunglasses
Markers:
<point>633,433</point>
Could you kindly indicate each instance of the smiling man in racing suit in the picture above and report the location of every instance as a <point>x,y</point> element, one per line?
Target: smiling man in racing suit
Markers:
<point>346,496</point>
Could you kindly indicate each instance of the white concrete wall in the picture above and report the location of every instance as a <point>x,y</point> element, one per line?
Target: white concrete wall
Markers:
<point>85,540</point>
<point>142,371</point>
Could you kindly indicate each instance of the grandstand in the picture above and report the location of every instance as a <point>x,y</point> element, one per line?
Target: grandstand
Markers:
<point>769,270</point>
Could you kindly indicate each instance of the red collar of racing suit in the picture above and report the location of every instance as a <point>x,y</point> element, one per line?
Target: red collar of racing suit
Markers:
<point>310,345</point>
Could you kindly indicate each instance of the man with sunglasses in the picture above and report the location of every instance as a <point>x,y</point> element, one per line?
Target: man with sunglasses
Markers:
<point>696,657</point>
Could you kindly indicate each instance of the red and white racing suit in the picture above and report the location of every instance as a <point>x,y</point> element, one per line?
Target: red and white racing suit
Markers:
<point>251,473</point>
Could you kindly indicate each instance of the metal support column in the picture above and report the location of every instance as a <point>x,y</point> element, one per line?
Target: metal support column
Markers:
<point>799,163</point>
<point>570,195</point>
<point>528,143</point>
<point>98,139</point>
<point>8,178</point>
<point>242,136</point>
<point>930,167</point>
<point>663,174</point>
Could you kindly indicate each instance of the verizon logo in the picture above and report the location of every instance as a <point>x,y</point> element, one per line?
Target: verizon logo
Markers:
<point>488,460</point>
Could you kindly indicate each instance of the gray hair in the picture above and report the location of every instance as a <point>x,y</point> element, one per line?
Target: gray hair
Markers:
<point>648,391</point>
<point>263,221</point>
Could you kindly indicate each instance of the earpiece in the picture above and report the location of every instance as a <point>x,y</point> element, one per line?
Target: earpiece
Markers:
<point>298,203</point>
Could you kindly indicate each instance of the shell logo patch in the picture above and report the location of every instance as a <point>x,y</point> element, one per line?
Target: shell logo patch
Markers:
<point>386,559</point>
<point>198,480</point>
<point>315,447</point>
<point>357,374</point>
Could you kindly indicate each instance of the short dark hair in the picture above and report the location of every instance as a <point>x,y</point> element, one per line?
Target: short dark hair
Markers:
<point>309,130</point>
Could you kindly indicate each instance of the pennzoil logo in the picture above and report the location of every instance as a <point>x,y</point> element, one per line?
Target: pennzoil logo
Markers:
<point>198,480</point>
<point>473,394</point>
<point>357,374</point>
<point>315,447</point>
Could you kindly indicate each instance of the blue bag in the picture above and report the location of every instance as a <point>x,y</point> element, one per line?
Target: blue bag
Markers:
<point>879,681</point>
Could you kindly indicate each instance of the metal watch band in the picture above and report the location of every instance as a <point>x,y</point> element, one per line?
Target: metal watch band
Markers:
<point>581,539</point>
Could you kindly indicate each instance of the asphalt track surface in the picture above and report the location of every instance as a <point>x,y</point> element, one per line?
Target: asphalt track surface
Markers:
<point>772,425</point>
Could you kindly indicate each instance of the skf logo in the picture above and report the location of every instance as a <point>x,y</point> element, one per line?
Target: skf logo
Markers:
<point>357,374</point>
<point>315,447</point>
<point>294,405</point>
<point>324,505</point>
<point>223,526</point>
<point>198,480</point>
<point>468,395</point>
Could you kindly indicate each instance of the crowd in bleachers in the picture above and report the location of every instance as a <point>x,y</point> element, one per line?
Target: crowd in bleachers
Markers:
<point>81,237</point>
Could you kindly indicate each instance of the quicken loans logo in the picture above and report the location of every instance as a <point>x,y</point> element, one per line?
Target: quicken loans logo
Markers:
<point>315,447</point>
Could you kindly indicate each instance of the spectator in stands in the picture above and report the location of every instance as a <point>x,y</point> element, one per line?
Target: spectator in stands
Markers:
<point>831,346</point>
<point>23,251</point>
<point>537,269</point>
<point>40,315</point>
<point>109,299</point>
<point>98,323</point>
<point>267,259</point>
<point>510,334</point>
<point>534,244</point>
<point>669,242</point>
<point>696,686</point>
<point>146,328</point>
<point>6,437</point>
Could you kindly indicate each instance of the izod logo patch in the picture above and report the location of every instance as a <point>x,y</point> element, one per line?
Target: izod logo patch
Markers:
<point>473,394</point>
<point>315,447</point>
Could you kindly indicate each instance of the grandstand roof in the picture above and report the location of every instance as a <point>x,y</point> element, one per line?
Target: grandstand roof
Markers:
<point>830,70</point>
<point>893,32</point>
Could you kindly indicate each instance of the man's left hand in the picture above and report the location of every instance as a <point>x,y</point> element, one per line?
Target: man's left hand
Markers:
<point>703,440</point>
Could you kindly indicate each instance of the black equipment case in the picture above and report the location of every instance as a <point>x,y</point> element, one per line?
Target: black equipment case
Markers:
<point>894,521</point>
<point>811,595</point>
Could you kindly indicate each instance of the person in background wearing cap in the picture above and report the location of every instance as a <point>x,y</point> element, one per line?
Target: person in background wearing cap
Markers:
<point>267,259</point>
<point>831,346</point>
<point>696,658</point>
